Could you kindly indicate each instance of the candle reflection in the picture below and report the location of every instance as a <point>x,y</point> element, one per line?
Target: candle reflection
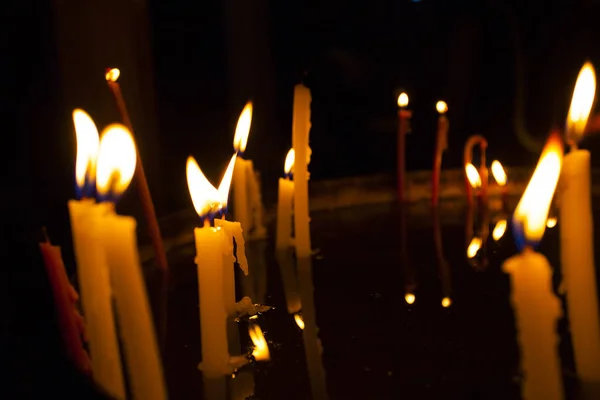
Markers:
<point>443,265</point>
<point>476,242</point>
<point>410,278</point>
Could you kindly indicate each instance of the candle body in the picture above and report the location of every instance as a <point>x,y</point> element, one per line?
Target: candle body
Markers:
<point>213,317</point>
<point>133,309</point>
<point>403,120</point>
<point>96,296</point>
<point>232,230</point>
<point>441,144</point>
<point>65,298</point>
<point>577,260</point>
<point>300,143</point>
<point>536,310</point>
<point>285,201</point>
<point>287,267</point>
<point>241,208</point>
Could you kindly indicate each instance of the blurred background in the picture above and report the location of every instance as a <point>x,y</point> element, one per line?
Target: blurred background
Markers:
<point>506,69</point>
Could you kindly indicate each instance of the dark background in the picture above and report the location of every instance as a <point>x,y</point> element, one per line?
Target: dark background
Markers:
<point>506,69</point>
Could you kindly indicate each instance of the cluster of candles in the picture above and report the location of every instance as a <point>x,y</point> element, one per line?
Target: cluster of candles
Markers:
<point>109,268</point>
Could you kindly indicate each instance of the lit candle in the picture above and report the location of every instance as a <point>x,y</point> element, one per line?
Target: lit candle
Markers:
<point>404,117</point>
<point>441,144</point>
<point>92,267</point>
<point>536,307</point>
<point>499,229</point>
<point>115,169</point>
<point>483,171</point>
<point>500,178</point>
<point>474,182</point>
<point>211,247</point>
<point>285,202</point>
<point>247,200</point>
<point>300,144</point>
<point>70,322</point>
<point>577,237</point>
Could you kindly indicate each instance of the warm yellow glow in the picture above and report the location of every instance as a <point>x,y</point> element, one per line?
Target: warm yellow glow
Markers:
<point>441,107</point>
<point>402,100</point>
<point>299,321</point>
<point>87,146</point>
<point>532,211</point>
<point>581,103</point>
<point>261,349</point>
<point>242,130</point>
<point>205,197</point>
<point>112,74</point>
<point>289,161</point>
<point>446,302</point>
<point>551,222</point>
<point>499,229</point>
<point>498,172</point>
<point>474,246</point>
<point>410,298</point>
<point>116,160</point>
<point>473,175</point>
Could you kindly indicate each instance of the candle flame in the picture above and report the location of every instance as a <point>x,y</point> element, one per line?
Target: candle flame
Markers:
<point>441,107</point>
<point>499,229</point>
<point>551,222</point>
<point>88,142</point>
<point>299,321</point>
<point>529,218</point>
<point>474,246</point>
<point>402,100</point>
<point>446,302</point>
<point>261,349</point>
<point>112,74</point>
<point>473,175</point>
<point>206,198</point>
<point>581,103</point>
<point>410,298</point>
<point>242,130</point>
<point>289,161</point>
<point>117,156</point>
<point>499,173</point>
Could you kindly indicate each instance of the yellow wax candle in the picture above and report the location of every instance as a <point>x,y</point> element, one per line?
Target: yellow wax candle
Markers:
<point>120,243</point>
<point>212,246</point>
<point>577,236</point>
<point>233,230</point>
<point>285,200</point>
<point>92,267</point>
<point>536,307</point>
<point>287,267</point>
<point>241,206</point>
<point>300,143</point>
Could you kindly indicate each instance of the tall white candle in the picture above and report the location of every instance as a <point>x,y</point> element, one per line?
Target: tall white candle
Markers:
<point>536,307</point>
<point>300,143</point>
<point>116,166</point>
<point>233,230</point>
<point>577,236</point>
<point>212,249</point>
<point>285,201</point>
<point>92,267</point>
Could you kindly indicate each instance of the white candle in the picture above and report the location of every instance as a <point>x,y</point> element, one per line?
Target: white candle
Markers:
<point>285,200</point>
<point>300,143</point>
<point>116,167</point>
<point>577,236</point>
<point>247,202</point>
<point>212,249</point>
<point>233,230</point>
<point>536,307</point>
<point>92,267</point>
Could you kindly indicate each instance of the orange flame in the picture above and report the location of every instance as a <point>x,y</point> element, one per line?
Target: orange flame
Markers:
<point>242,130</point>
<point>581,103</point>
<point>402,100</point>
<point>499,173</point>
<point>473,175</point>
<point>88,143</point>
<point>112,74</point>
<point>261,349</point>
<point>206,198</point>
<point>117,156</point>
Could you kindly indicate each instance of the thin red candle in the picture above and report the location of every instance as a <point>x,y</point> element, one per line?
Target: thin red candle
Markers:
<point>404,117</point>
<point>441,144</point>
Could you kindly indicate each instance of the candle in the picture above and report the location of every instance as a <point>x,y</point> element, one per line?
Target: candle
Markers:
<point>500,178</point>
<point>441,144</point>
<point>576,235</point>
<point>483,171</point>
<point>92,267</point>
<point>247,200</point>
<point>536,307</point>
<point>112,75</point>
<point>285,200</point>
<point>70,322</point>
<point>443,265</point>
<point>115,169</point>
<point>212,244</point>
<point>300,144</point>
<point>474,183</point>
<point>287,267</point>
<point>404,117</point>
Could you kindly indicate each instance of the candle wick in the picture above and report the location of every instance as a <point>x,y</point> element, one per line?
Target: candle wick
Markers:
<point>45,233</point>
<point>573,146</point>
<point>206,223</point>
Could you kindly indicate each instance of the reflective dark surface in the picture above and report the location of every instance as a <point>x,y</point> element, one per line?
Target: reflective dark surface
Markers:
<point>361,339</point>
